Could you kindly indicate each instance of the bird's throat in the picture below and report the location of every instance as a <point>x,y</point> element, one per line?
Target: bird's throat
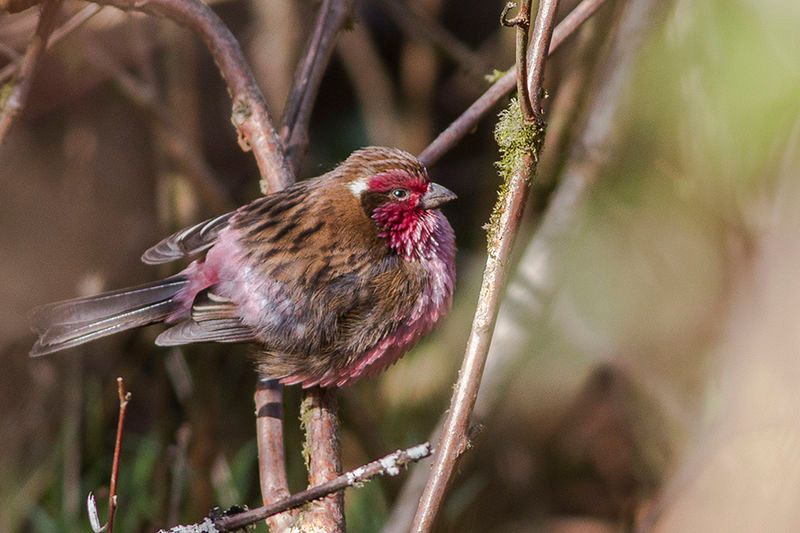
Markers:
<point>409,232</point>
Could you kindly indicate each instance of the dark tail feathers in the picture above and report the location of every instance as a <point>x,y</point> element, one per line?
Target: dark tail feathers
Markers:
<point>70,323</point>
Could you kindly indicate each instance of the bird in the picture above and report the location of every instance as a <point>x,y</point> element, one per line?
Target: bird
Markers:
<point>333,278</point>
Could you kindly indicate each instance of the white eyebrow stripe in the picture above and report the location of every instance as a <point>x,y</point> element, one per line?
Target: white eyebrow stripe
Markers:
<point>358,186</point>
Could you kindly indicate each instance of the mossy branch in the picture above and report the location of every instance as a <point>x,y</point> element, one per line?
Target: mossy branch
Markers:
<point>516,140</point>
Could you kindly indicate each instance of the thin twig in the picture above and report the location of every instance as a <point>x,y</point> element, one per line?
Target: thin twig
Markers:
<point>124,398</point>
<point>331,18</point>
<point>12,104</point>
<point>469,118</point>
<point>523,23</point>
<point>268,399</point>
<point>427,29</point>
<point>319,415</point>
<point>390,465</point>
<point>456,427</point>
<point>250,115</point>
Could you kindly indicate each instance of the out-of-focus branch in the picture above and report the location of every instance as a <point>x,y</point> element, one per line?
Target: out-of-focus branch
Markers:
<point>503,232</point>
<point>16,95</point>
<point>319,415</point>
<point>15,6</point>
<point>250,115</point>
<point>59,34</point>
<point>372,84</point>
<point>331,18</point>
<point>534,283</point>
<point>172,138</point>
<point>426,29</point>
<point>271,461</point>
<point>469,118</point>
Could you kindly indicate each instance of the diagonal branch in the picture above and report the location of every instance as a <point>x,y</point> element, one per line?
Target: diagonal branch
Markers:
<point>425,28</point>
<point>250,115</point>
<point>509,209</point>
<point>331,18</point>
<point>465,123</point>
<point>17,92</point>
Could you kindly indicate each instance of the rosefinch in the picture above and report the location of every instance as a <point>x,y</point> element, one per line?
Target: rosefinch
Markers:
<point>335,277</point>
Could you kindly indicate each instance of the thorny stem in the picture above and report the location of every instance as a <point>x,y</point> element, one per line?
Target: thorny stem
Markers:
<point>465,123</point>
<point>17,93</point>
<point>124,398</point>
<point>512,203</point>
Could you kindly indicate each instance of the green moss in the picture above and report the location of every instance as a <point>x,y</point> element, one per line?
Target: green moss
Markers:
<point>494,76</point>
<point>515,139</point>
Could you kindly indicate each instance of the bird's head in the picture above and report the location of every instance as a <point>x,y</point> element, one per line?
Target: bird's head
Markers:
<point>394,191</point>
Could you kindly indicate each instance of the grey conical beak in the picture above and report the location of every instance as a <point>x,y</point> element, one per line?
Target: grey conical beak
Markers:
<point>436,196</point>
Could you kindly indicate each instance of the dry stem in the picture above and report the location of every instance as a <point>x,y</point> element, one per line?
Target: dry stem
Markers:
<point>124,398</point>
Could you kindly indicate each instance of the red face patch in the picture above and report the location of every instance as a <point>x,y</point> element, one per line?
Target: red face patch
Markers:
<point>387,181</point>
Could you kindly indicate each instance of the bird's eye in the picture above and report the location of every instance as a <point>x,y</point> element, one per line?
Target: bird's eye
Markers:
<point>400,194</point>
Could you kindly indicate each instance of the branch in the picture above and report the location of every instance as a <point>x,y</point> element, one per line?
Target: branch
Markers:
<point>271,461</point>
<point>389,465</point>
<point>509,209</point>
<point>469,118</point>
<point>124,398</point>
<point>318,414</point>
<point>17,94</point>
<point>331,18</point>
<point>250,115</point>
<point>425,28</point>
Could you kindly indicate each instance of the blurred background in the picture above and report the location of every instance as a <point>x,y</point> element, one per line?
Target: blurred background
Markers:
<point>646,365</point>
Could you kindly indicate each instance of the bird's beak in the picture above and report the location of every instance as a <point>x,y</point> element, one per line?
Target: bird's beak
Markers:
<point>436,196</point>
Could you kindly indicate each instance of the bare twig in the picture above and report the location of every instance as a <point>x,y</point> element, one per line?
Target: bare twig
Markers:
<point>469,118</point>
<point>523,23</point>
<point>250,115</point>
<point>389,465</point>
<point>318,413</point>
<point>331,18</point>
<point>124,398</point>
<point>269,436</point>
<point>511,205</point>
<point>427,29</point>
<point>14,101</point>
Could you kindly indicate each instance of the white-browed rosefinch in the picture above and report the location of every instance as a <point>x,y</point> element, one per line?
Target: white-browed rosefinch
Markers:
<point>334,278</point>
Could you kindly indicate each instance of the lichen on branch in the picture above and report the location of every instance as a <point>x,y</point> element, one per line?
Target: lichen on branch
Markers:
<point>517,140</point>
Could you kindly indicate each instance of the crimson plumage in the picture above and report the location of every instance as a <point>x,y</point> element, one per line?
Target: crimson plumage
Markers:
<point>334,278</point>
